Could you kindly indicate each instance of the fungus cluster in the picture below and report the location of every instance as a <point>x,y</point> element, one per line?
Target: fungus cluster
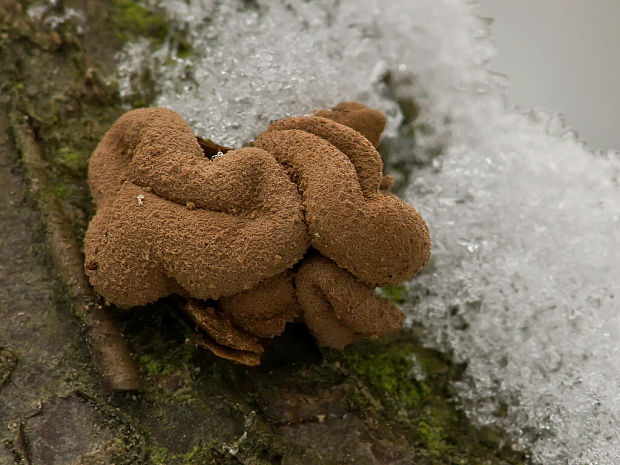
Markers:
<point>298,227</point>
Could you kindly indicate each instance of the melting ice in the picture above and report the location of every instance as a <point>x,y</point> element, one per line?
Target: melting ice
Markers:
<point>524,283</point>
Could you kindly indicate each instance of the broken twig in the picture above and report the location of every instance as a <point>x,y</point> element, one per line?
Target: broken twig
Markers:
<point>109,350</point>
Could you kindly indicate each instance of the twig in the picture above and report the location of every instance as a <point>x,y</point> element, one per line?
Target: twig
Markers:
<point>109,350</point>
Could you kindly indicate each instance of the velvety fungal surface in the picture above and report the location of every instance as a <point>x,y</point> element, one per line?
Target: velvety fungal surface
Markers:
<point>300,226</point>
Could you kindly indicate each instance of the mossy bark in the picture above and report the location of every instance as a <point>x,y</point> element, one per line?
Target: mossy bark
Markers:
<point>381,401</point>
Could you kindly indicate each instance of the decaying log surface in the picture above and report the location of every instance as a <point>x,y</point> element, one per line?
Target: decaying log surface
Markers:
<point>384,401</point>
<point>109,350</point>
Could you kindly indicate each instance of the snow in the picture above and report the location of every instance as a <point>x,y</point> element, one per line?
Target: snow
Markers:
<point>524,282</point>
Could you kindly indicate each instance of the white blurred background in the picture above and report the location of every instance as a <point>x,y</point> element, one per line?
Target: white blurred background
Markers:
<point>563,55</point>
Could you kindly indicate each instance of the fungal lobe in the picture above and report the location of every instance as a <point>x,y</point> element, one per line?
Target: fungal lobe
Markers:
<point>299,227</point>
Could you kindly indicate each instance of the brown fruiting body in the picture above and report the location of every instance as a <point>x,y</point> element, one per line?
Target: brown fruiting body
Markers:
<point>338,308</point>
<point>238,228</point>
<point>246,223</point>
<point>367,121</point>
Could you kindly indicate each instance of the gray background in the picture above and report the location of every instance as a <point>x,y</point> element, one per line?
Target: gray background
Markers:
<point>563,55</point>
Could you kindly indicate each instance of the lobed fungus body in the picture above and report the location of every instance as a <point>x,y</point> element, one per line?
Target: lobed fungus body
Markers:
<point>299,226</point>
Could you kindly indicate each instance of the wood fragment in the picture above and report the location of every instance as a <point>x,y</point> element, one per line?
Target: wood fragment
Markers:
<point>245,358</point>
<point>108,348</point>
<point>221,329</point>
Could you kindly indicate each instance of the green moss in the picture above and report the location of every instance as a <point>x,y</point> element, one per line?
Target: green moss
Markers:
<point>130,19</point>
<point>170,373</point>
<point>71,159</point>
<point>62,191</point>
<point>199,455</point>
<point>184,50</point>
<point>416,408</point>
<point>154,366</point>
<point>395,293</point>
<point>158,455</point>
<point>385,371</point>
<point>433,437</point>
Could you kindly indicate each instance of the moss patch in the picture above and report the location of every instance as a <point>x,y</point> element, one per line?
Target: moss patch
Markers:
<point>386,371</point>
<point>129,20</point>
<point>395,293</point>
<point>409,386</point>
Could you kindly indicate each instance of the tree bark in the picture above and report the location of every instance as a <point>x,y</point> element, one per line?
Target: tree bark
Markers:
<point>384,401</point>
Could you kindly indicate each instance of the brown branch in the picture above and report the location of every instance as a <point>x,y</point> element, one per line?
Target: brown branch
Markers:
<point>108,348</point>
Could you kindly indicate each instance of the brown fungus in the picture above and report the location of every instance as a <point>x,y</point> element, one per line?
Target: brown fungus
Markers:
<point>298,227</point>
<point>367,121</point>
